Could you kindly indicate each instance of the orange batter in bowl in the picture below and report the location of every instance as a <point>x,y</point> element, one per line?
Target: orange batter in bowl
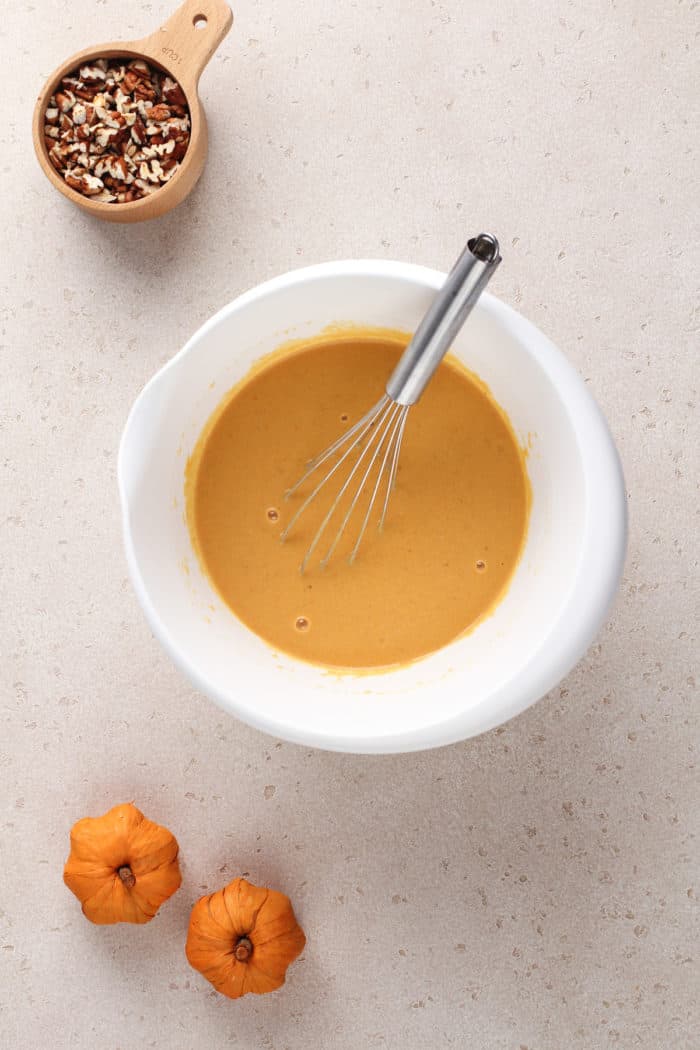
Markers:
<point>455,528</point>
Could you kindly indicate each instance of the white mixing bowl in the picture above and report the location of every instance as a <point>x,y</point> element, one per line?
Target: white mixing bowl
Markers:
<point>559,595</point>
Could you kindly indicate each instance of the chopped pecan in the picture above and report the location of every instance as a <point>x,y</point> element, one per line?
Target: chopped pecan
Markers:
<point>74,181</point>
<point>138,132</point>
<point>92,74</point>
<point>144,92</point>
<point>130,81</point>
<point>159,112</point>
<point>104,136</point>
<point>173,93</point>
<point>63,101</point>
<point>87,92</point>
<point>179,151</point>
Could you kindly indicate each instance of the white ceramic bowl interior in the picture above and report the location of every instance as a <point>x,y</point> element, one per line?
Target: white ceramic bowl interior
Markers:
<point>561,590</point>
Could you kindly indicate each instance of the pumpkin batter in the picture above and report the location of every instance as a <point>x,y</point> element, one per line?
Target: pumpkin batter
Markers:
<point>455,528</point>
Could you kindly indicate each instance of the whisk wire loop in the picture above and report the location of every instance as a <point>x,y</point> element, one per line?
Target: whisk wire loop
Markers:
<point>394,464</point>
<point>399,422</point>
<point>321,458</point>
<point>382,431</point>
<point>378,434</point>
<point>363,425</point>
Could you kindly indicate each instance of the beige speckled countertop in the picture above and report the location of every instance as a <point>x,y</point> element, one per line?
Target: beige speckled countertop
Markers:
<point>532,889</point>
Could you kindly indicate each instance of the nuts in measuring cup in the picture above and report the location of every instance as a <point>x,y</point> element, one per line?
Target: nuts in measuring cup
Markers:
<point>116,130</point>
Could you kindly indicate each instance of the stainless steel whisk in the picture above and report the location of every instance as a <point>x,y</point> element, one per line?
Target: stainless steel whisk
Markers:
<point>377,437</point>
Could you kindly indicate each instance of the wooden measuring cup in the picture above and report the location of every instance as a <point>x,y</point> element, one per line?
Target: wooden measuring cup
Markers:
<point>181,48</point>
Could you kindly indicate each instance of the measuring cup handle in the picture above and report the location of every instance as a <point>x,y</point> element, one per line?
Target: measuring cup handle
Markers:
<point>186,42</point>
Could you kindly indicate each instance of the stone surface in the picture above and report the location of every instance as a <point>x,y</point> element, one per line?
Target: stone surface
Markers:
<point>532,889</point>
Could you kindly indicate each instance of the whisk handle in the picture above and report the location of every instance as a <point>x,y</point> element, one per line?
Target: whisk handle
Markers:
<point>448,312</point>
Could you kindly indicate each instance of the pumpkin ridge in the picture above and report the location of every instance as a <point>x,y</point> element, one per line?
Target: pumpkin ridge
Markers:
<point>227,934</point>
<point>260,907</point>
<point>256,910</point>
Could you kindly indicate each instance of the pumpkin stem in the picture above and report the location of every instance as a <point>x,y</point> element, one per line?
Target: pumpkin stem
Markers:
<point>127,876</point>
<point>243,950</point>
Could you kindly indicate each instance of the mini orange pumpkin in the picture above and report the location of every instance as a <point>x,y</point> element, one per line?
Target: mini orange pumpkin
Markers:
<point>242,938</point>
<point>121,866</point>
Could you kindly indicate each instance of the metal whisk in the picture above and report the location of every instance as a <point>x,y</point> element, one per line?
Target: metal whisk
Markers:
<point>374,442</point>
